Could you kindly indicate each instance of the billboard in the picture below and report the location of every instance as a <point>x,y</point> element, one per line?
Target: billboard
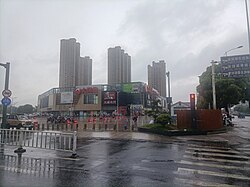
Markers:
<point>66,97</point>
<point>131,87</point>
<point>109,98</point>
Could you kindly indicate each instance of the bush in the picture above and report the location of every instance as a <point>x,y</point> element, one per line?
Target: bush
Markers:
<point>163,119</point>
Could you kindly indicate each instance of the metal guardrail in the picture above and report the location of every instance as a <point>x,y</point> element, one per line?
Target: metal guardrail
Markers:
<point>39,139</point>
<point>32,166</point>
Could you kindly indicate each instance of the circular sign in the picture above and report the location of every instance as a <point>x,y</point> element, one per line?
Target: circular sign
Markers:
<point>6,93</point>
<point>6,101</point>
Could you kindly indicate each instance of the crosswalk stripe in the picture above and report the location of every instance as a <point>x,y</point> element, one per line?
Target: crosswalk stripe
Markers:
<point>243,149</point>
<point>201,183</point>
<point>209,146</point>
<point>216,160</point>
<point>217,154</point>
<point>212,150</point>
<point>212,173</point>
<point>213,165</point>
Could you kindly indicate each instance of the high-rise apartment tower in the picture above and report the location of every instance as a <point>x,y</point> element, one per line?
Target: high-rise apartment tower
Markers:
<point>74,70</point>
<point>85,71</point>
<point>119,66</point>
<point>157,76</point>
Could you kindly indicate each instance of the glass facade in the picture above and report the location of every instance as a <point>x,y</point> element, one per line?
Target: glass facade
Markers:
<point>90,99</point>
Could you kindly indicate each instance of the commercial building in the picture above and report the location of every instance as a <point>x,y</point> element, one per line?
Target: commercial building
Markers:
<point>83,100</point>
<point>119,66</point>
<point>237,66</point>
<point>157,76</point>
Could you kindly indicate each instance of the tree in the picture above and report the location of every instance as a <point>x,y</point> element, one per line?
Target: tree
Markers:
<point>27,109</point>
<point>163,119</point>
<point>156,109</point>
<point>228,91</point>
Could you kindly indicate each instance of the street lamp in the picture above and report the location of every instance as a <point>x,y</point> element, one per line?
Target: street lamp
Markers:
<point>247,26</point>
<point>233,49</point>
<point>169,99</point>
<point>213,85</point>
<point>117,107</point>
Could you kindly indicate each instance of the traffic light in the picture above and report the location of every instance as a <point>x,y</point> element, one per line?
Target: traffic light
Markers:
<point>192,101</point>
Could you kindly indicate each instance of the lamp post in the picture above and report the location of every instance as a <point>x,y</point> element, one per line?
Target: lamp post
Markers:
<point>117,107</point>
<point>213,85</point>
<point>247,26</point>
<point>169,99</point>
<point>233,49</point>
<point>6,87</point>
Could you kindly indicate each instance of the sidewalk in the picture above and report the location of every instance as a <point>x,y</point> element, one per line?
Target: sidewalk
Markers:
<point>135,136</point>
<point>224,137</point>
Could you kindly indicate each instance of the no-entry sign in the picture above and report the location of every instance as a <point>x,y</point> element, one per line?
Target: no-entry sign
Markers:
<point>6,93</point>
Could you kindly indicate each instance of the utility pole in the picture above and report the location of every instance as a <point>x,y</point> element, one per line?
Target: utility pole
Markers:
<point>169,100</point>
<point>213,85</point>
<point>6,87</point>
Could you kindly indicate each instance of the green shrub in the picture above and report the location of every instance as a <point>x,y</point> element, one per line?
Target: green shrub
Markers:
<point>163,119</point>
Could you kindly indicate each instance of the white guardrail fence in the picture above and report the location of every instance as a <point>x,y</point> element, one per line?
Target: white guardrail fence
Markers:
<point>39,139</point>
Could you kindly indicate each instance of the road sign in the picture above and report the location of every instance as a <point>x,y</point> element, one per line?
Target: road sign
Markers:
<point>6,101</point>
<point>6,93</point>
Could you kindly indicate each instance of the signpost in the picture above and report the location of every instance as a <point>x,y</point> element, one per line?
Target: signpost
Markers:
<point>6,92</point>
<point>6,101</point>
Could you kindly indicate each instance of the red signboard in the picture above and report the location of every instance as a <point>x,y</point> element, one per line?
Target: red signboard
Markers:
<point>87,90</point>
<point>109,98</point>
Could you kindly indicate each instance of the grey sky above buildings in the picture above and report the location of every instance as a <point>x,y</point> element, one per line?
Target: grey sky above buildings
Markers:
<point>187,34</point>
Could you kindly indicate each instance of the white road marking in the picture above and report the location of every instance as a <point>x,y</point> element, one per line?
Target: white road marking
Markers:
<point>201,183</point>
<point>209,146</point>
<point>243,149</point>
<point>217,154</point>
<point>211,173</point>
<point>216,160</point>
<point>213,165</point>
<point>213,150</point>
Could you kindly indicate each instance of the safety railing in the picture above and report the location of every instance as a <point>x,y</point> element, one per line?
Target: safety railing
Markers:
<point>39,139</point>
<point>38,167</point>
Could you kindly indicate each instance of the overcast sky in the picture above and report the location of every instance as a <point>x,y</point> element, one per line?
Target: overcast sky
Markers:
<point>187,34</point>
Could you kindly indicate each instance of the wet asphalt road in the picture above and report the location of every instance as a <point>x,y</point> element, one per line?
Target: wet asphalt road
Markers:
<point>190,161</point>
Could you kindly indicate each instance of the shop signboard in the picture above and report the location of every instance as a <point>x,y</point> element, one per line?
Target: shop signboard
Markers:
<point>66,97</point>
<point>109,98</point>
<point>86,90</point>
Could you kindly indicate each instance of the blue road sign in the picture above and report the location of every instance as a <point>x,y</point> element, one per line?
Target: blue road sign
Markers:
<point>6,101</point>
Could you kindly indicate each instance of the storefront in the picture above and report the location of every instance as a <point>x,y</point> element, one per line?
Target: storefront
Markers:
<point>96,99</point>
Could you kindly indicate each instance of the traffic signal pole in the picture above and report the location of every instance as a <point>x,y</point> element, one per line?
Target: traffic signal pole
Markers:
<point>6,87</point>
<point>193,112</point>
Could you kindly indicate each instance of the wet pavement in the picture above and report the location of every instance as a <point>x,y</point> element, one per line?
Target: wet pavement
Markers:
<point>135,159</point>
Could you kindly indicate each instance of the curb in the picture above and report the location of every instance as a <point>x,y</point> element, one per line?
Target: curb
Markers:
<point>181,133</point>
<point>172,133</point>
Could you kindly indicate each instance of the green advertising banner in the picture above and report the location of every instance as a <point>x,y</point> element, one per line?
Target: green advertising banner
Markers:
<point>127,88</point>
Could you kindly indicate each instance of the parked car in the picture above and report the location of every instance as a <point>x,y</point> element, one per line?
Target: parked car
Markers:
<point>18,121</point>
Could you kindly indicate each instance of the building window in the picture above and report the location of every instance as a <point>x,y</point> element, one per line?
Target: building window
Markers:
<point>90,99</point>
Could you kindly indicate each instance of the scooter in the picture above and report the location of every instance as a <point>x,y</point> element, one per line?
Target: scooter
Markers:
<point>227,121</point>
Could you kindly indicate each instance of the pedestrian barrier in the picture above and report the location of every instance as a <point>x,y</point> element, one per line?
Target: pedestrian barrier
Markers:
<point>39,139</point>
<point>32,166</point>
